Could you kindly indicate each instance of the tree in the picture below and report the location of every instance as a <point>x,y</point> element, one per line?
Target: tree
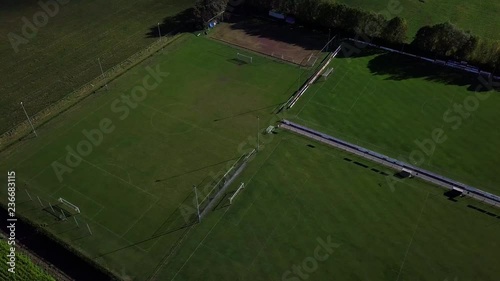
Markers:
<point>395,31</point>
<point>204,10</point>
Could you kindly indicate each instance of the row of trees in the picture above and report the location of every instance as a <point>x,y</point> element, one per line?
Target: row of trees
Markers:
<point>447,40</point>
<point>441,40</point>
<point>341,17</point>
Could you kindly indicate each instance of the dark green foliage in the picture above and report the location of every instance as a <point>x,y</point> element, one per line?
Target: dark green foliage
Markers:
<point>395,31</point>
<point>445,39</point>
<point>204,10</point>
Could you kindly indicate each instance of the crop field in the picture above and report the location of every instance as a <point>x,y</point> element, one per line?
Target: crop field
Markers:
<point>59,54</point>
<point>25,268</point>
<point>310,212</point>
<point>417,112</point>
<point>129,157</point>
<point>476,16</point>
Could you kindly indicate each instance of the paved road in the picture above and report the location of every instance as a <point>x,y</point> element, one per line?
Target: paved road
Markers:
<point>392,163</point>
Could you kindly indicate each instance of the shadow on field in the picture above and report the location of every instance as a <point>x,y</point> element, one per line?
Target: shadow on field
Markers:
<point>250,111</point>
<point>484,211</point>
<point>180,23</point>
<point>400,68</point>
<point>355,52</point>
<point>279,31</point>
<point>177,220</point>
<point>196,170</point>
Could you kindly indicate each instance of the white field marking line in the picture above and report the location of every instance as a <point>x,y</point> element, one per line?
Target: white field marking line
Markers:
<point>329,90</point>
<point>232,79</point>
<point>57,190</point>
<point>250,180</point>
<point>63,133</point>
<point>121,168</point>
<point>96,214</point>
<point>140,218</point>
<point>41,172</point>
<point>158,238</point>
<point>85,196</point>
<point>107,229</point>
<point>271,234</point>
<point>435,148</point>
<point>119,178</point>
<point>199,244</point>
<point>331,108</point>
<point>357,98</point>
<point>217,252</point>
<point>118,236</point>
<point>189,123</point>
<point>165,133</point>
<point>413,236</point>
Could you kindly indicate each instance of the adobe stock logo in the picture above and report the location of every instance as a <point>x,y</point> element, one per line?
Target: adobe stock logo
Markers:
<point>303,270</point>
<point>30,28</point>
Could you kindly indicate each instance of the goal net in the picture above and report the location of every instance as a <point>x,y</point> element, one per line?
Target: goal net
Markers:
<point>244,58</point>
<point>65,209</point>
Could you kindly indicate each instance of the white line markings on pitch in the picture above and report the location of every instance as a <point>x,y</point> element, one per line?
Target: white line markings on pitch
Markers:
<point>249,180</point>
<point>413,236</point>
<point>121,179</point>
<point>199,244</point>
<point>140,218</point>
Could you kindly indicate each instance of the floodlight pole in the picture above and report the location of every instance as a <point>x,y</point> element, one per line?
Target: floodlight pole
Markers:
<point>29,120</point>
<point>159,30</point>
<point>197,203</point>
<point>102,72</point>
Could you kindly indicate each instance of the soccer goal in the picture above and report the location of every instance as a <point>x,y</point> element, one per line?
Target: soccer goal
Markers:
<point>242,186</point>
<point>244,58</point>
<point>327,73</point>
<point>69,204</point>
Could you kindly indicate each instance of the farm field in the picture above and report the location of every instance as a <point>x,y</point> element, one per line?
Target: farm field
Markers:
<point>25,268</point>
<point>63,53</point>
<point>410,110</point>
<point>476,16</point>
<point>301,195</point>
<point>147,149</point>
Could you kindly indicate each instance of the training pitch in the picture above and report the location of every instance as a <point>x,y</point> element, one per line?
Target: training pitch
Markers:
<point>128,157</point>
<point>422,114</point>
<point>310,212</point>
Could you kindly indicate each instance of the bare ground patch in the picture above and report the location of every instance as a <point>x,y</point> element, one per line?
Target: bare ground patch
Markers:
<point>283,41</point>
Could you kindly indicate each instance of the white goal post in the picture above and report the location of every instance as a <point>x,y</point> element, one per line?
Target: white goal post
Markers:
<point>67,203</point>
<point>244,58</point>
<point>242,186</point>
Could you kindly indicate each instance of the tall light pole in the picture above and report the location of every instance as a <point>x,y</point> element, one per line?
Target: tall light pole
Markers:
<point>102,72</point>
<point>159,30</point>
<point>29,120</point>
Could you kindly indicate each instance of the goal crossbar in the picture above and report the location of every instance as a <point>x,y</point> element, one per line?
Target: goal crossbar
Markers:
<point>67,203</point>
<point>245,57</point>
<point>242,186</point>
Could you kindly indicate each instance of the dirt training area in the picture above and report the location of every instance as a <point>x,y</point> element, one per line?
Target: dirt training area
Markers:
<point>277,39</point>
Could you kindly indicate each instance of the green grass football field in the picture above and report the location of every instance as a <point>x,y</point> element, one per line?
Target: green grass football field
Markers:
<point>198,116</point>
<point>395,105</point>
<point>477,16</point>
<point>300,193</point>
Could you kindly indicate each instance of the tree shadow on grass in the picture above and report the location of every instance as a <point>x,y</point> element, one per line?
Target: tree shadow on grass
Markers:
<point>398,67</point>
<point>279,31</point>
<point>179,23</point>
